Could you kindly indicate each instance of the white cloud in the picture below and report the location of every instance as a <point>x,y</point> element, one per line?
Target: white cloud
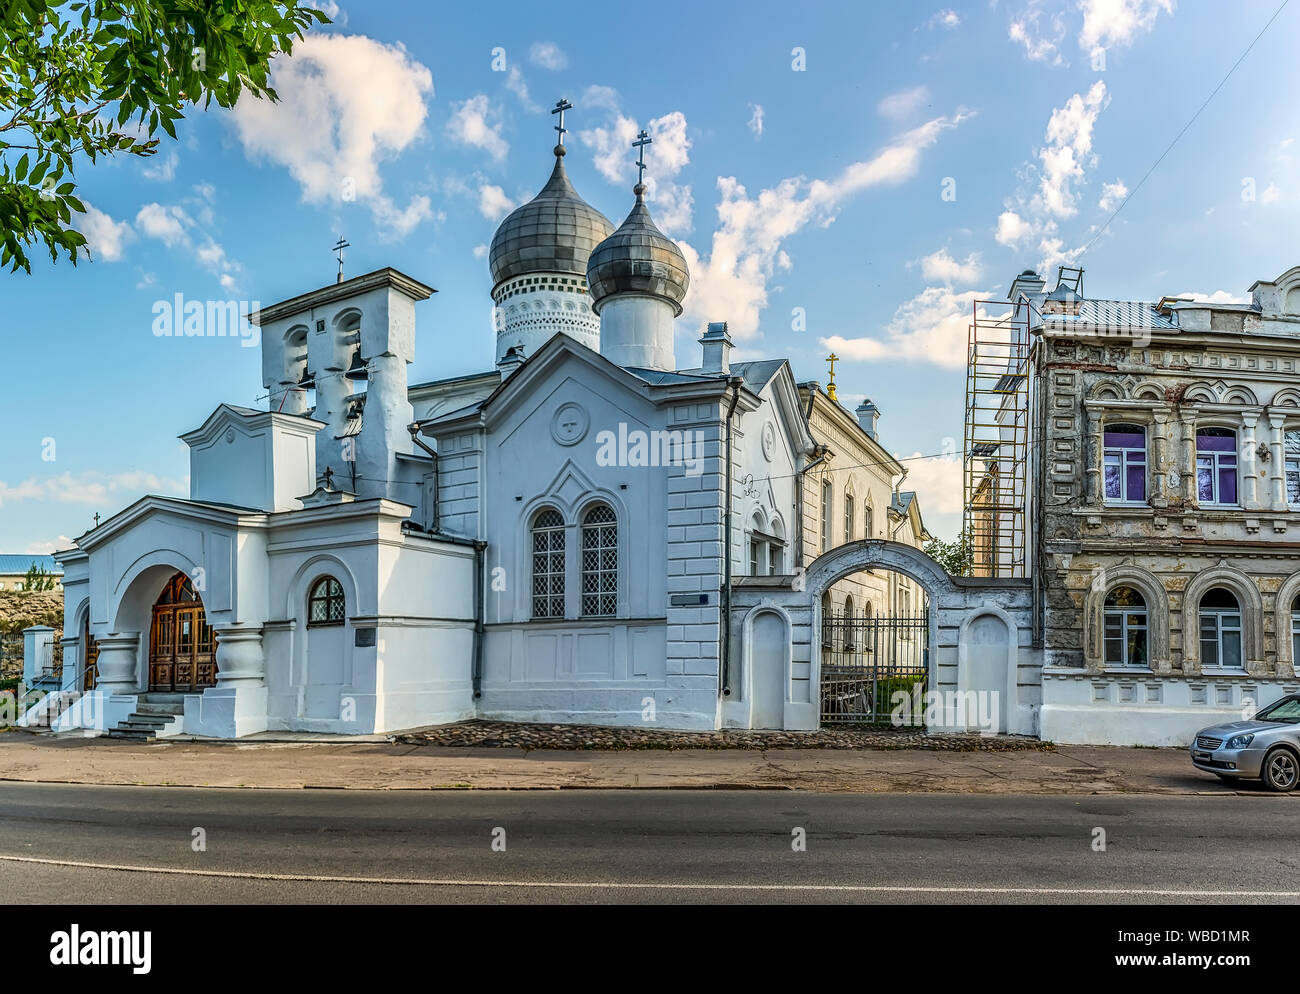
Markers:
<point>45,548</point>
<point>1118,22</point>
<point>475,122</point>
<point>1270,194</point>
<point>747,247</point>
<point>1068,150</point>
<point>105,237</point>
<point>1112,195</point>
<point>401,221</point>
<point>669,153</point>
<point>174,227</point>
<point>338,17</point>
<point>941,267</point>
<point>167,224</point>
<point>1041,36</point>
<point>548,55</point>
<point>946,18</point>
<point>937,482</point>
<point>162,168</point>
<point>91,488</point>
<point>493,203</point>
<point>1012,229</point>
<point>931,327</point>
<point>904,103</point>
<point>756,120</point>
<point>480,251</point>
<point>347,102</point>
<point>1217,297</point>
<point>517,85</point>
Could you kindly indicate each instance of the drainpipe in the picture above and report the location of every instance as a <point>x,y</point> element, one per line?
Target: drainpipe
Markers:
<point>434,512</point>
<point>479,628</point>
<point>735,383</point>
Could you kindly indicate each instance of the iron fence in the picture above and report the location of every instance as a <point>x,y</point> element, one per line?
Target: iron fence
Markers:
<point>867,661</point>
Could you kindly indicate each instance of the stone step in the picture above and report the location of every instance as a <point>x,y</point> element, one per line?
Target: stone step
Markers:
<point>143,721</point>
<point>149,707</point>
<point>134,735</point>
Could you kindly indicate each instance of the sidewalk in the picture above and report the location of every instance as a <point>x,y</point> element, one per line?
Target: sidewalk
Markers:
<point>398,766</point>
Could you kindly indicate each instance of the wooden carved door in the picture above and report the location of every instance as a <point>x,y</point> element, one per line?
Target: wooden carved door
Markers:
<point>182,645</point>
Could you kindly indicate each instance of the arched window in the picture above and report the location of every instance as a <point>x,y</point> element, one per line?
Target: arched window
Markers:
<point>325,603</point>
<point>1124,628</point>
<point>756,551</point>
<point>548,564</point>
<point>1216,466</point>
<point>849,507</point>
<point>599,562</point>
<point>1292,447</point>
<point>866,521</point>
<point>1220,629</point>
<point>1125,462</point>
<point>776,549</point>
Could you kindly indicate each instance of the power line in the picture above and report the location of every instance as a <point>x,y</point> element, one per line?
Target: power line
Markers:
<point>1169,148</point>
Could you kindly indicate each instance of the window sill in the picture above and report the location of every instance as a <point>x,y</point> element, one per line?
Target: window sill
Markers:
<point>326,624</point>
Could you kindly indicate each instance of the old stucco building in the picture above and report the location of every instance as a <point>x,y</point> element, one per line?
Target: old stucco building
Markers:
<point>1166,476</point>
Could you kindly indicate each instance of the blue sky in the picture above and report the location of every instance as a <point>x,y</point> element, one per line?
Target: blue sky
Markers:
<point>921,156</point>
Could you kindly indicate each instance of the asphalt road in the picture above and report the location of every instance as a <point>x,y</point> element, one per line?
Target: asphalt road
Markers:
<point>80,844</point>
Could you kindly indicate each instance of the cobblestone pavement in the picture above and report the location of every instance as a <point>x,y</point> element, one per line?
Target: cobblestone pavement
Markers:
<point>524,736</point>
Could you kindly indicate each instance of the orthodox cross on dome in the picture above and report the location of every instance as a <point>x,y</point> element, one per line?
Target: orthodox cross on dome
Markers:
<point>560,107</point>
<point>329,478</point>
<point>830,389</point>
<point>339,246</point>
<point>642,140</point>
<point>96,519</point>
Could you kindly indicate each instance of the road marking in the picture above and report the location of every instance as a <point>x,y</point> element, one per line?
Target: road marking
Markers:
<point>613,885</point>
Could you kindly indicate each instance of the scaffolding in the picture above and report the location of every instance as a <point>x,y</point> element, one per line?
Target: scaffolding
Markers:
<point>995,457</point>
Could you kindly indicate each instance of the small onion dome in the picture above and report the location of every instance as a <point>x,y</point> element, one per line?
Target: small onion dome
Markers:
<point>638,258</point>
<point>552,233</point>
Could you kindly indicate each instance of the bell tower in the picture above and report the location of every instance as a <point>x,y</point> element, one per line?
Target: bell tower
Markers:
<point>340,354</point>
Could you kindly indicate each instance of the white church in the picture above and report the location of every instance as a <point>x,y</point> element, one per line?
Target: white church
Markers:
<point>563,538</point>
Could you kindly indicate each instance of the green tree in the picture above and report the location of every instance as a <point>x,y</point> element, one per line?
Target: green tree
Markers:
<point>38,578</point>
<point>95,78</point>
<point>956,557</point>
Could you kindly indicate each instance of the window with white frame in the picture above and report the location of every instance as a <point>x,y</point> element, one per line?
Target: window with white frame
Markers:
<point>1125,463</point>
<point>866,521</point>
<point>1124,628</point>
<point>1292,440</point>
<point>599,562</point>
<point>755,556</point>
<point>848,517</point>
<point>828,504</point>
<point>1220,616</point>
<point>766,549</point>
<point>548,564</point>
<point>1216,466</point>
<point>775,559</point>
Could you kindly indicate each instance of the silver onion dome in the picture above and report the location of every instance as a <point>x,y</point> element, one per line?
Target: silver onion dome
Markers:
<point>638,258</point>
<point>552,233</point>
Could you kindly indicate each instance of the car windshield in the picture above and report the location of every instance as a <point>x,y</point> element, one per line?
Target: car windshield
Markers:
<point>1285,711</point>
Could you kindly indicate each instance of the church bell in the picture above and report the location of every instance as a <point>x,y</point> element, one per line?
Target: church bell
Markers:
<point>357,370</point>
<point>308,381</point>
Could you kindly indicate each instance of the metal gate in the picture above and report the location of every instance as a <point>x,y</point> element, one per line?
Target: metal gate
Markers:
<point>867,660</point>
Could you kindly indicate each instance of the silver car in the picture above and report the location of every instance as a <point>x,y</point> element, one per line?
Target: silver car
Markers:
<point>1265,748</point>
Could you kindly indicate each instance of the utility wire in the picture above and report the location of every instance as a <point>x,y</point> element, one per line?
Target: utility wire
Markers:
<point>1169,148</point>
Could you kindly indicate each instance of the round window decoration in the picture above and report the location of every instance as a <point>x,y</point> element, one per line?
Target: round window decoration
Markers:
<point>570,423</point>
<point>769,440</point>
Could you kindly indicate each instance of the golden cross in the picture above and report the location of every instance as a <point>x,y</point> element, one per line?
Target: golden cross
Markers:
<point>830,389</point>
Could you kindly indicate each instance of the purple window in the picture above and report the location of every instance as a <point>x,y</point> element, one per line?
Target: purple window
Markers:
<point>1125,463</point>
<point>1216,466</point>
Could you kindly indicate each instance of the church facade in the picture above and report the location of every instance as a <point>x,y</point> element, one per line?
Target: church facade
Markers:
<point>556,539</point>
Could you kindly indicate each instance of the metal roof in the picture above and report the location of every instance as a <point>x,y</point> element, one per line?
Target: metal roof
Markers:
<point>552,233</point>
<point>1113,314</point>
<point>638,258</point>
<point>10,564</point>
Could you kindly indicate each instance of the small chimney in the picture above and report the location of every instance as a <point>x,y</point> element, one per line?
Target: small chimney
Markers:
<point>868,414</point>
<point>717,348</point>
<point>512,360</point>
<point>1028,283</point>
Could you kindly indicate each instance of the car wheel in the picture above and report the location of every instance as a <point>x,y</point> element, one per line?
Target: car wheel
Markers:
<point>1281,770</point>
